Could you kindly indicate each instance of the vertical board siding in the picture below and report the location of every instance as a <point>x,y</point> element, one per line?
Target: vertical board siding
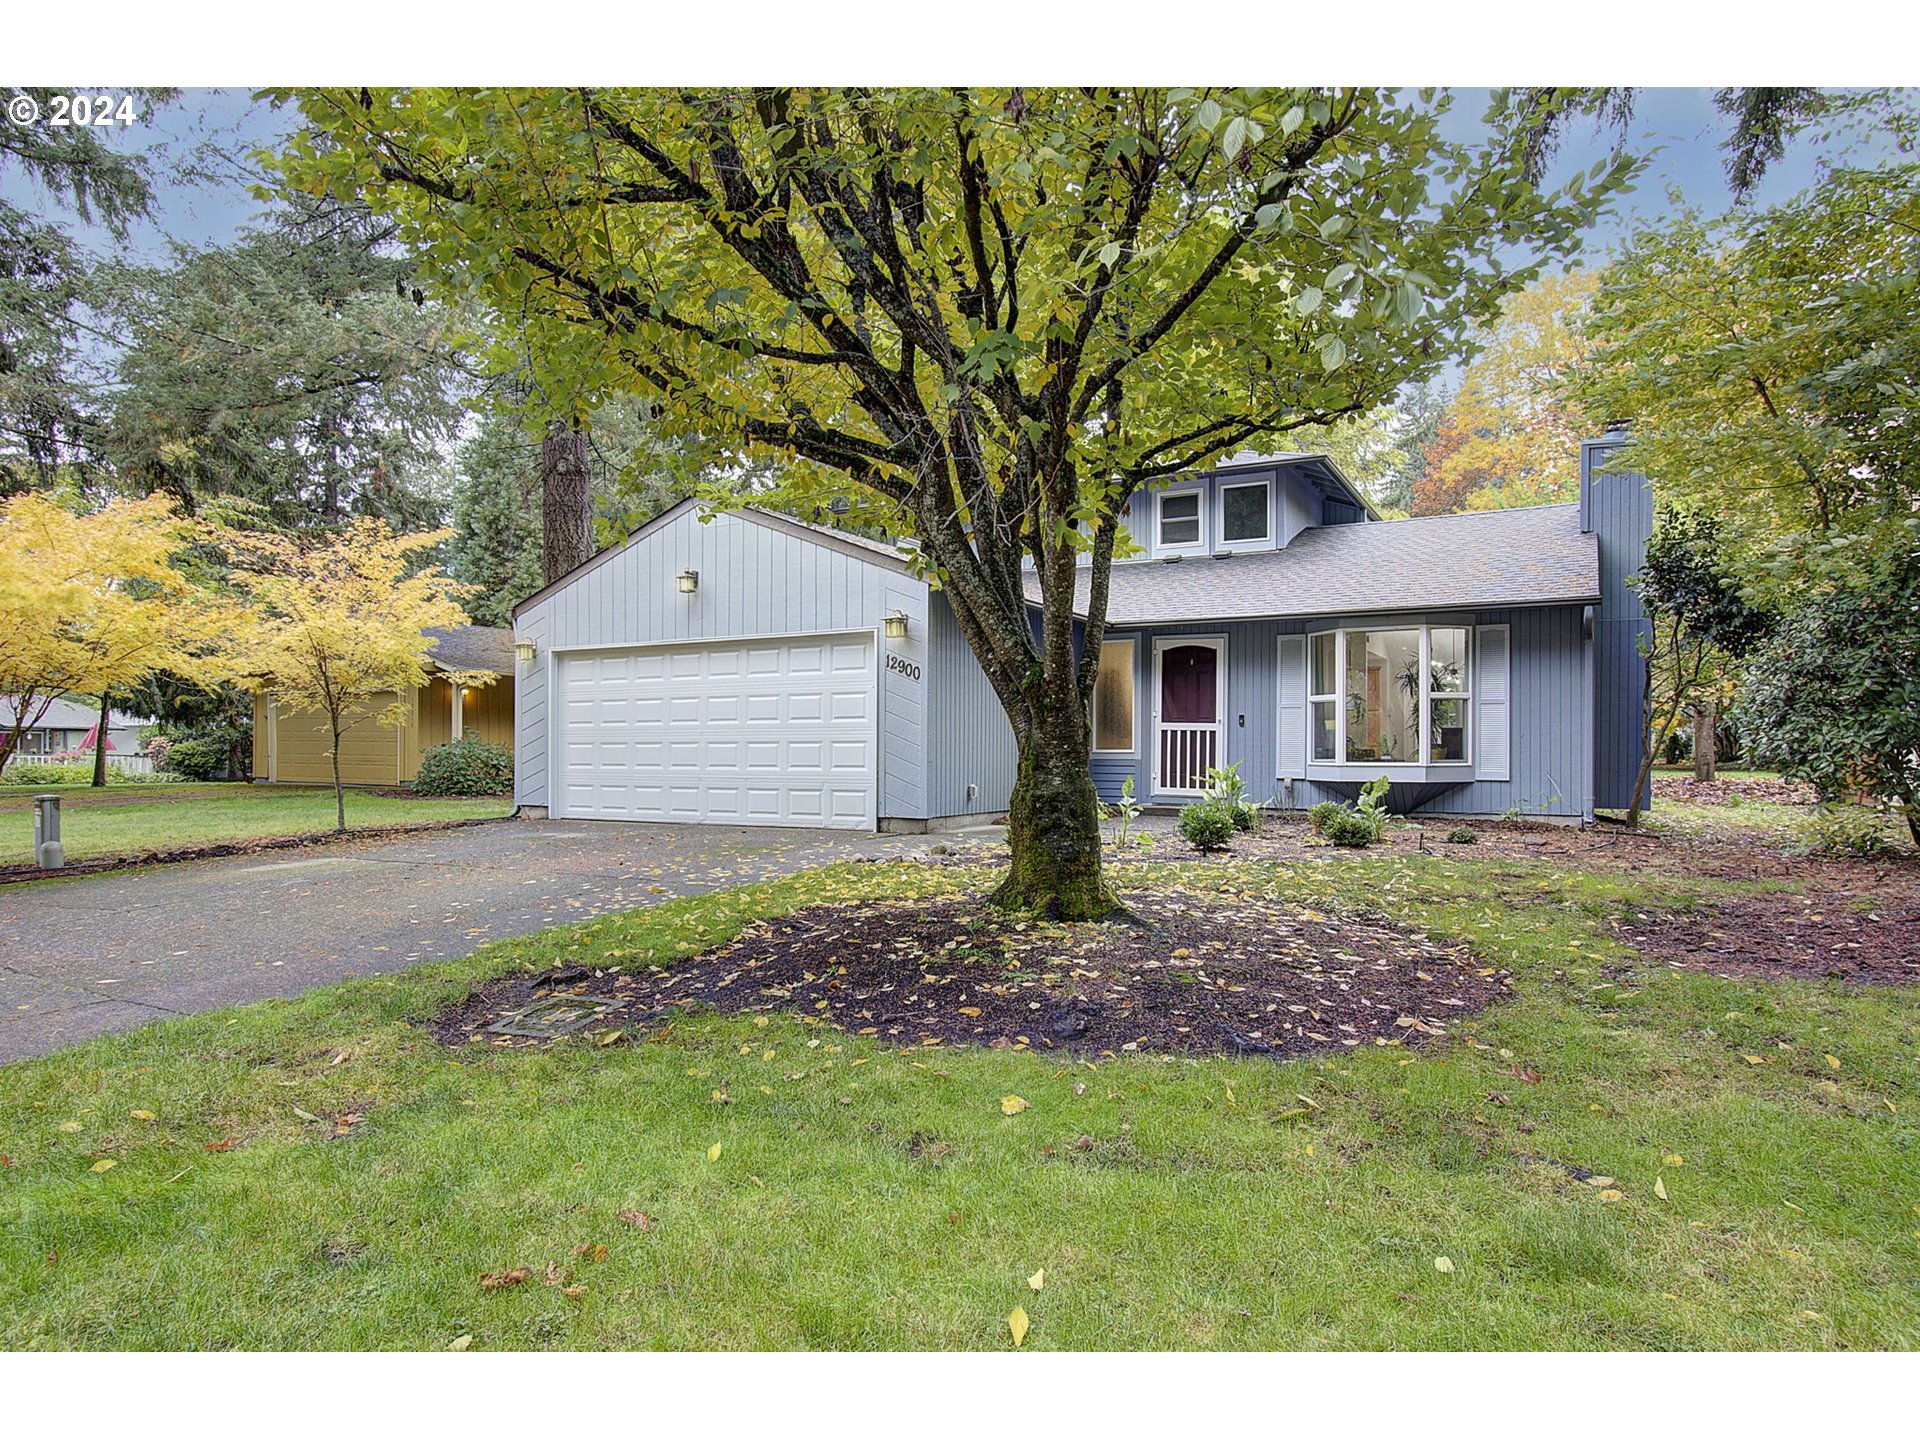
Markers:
<point>1618,509</point>
<point>970,741</point>
<point>754,580</point>
<point>1548,765</point>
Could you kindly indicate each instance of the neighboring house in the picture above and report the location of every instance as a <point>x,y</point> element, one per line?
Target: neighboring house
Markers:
<point>747,668</point>
<point>295,746</point>
<point>67,724</point>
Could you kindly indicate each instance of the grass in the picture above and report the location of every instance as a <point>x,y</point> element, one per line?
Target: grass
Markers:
<point>137,819</point>
<point>861,1198</point>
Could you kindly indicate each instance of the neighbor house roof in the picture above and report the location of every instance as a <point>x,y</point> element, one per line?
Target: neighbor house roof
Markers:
<point>473,647</point>
<point>72,715</point>
<point>1481,560</point>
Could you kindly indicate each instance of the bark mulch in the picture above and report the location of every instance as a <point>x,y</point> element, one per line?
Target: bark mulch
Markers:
<point>1685,789</point>
<point>1857,936</point>
<point>1204,975</point>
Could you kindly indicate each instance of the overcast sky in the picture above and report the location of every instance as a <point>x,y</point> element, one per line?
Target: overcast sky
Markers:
<point>1678,126</point>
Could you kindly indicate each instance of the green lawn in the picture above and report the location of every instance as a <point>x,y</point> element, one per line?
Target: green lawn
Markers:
<point>137,819</point>
<point>865,1198</point>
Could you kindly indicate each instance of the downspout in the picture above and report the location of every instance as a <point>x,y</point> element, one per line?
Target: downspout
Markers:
<point>1587,712</point>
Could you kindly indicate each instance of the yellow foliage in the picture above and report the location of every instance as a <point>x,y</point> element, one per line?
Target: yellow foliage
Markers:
<point>95,602</point>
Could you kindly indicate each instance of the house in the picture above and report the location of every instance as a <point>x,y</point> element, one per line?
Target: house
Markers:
<point>295,746</point>
<point>748,668</point>
<point>68,724</point>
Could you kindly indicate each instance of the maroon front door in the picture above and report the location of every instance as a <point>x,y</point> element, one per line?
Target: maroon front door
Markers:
<point>1189,720</point>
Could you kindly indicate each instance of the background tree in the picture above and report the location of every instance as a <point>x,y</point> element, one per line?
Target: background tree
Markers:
<point>298,369</point>
<point>339,625</point>
<point>986,317</point>
<point>1512,434</point>
<point>1700,627</point>
<point>96,603</point>
<point>1833,697</point>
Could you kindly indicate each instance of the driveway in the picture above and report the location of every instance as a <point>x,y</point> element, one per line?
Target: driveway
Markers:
<point>92,954</point>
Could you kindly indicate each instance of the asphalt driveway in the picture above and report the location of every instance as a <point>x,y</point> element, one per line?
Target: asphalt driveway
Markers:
<point>84,956</point>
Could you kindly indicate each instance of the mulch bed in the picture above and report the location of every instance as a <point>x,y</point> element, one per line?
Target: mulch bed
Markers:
<point>1686,790</point>
<point>1204,975</point>
<point>1856,936</point>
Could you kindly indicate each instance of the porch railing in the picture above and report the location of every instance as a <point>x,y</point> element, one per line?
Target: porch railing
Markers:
<point>1187,752</point>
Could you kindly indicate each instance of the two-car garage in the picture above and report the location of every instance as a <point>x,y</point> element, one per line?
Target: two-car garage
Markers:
<point>756,733</point>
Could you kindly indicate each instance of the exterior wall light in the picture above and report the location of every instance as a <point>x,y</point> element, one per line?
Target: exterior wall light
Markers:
<point>523,651</point>
<point>689,581</point>
<point>896,625</point>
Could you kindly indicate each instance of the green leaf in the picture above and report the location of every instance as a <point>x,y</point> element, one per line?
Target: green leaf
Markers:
<point>1307,301</point>
<point>1236,137</point>
<point>1333,352</point>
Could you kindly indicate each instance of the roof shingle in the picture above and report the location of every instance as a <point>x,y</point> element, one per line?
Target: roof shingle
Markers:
<point>1479,560</point>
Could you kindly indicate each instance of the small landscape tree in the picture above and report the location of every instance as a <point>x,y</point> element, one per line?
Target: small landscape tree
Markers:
<point>339,625</point>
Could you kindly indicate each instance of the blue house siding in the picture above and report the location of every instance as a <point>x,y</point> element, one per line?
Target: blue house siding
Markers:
<point>1619,509</point>
<point>1548,731</point>
<point>970,740</point>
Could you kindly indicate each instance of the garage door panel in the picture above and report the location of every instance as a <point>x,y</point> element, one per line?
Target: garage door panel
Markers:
<point>761,734</point>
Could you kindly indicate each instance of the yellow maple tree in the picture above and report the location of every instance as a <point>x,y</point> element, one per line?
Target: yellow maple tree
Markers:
<point>95,602</point>
<point>1512,436</point>
<point>339,625</point>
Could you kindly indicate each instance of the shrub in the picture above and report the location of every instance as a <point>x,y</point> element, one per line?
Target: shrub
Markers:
<point>157,750</point>
<point>1320,814</point>
<point>1226,789</point>
<point>1356,825</point>
<point>465,767</point>
<point>1463,835</point>
<point>1207,824</point>
<point>1351,828</point>
<point>25,772</point>
<point>196,759</point>
<point>1843,829</point>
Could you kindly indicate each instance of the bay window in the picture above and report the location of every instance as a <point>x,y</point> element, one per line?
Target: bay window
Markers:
<point>1397,696</point>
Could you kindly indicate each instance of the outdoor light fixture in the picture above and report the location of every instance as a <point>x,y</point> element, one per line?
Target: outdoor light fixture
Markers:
<point>523,651</point>
<point>689,581</point>
<point>896,625</point>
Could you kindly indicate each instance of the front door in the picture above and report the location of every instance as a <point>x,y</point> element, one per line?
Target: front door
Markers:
<point>1186,716</point>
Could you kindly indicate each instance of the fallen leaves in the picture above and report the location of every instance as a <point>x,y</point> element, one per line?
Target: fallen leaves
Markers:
<point>503,1279</point>
<point>1011,1105</point>
<point>1443,1264</point>
<point>214,1147</point>
<point>100,1167</point>
<point>1017,1323</point>
<point>1660,1187</point>
<point>1037,1279</point>
<point>460,1342</point>
<point>637,1218</point>
<point>713,1153</point>
<point>142,1114</point>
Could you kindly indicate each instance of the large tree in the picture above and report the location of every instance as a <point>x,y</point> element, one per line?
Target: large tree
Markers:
<point>987,317</point>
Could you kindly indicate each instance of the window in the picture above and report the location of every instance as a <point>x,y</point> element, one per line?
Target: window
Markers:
<point>1180,518</point>
<point>1113,697</point>
<point>1244,513</point>
<point>1389,697</point>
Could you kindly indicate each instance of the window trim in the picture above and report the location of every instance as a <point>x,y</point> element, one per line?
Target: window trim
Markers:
<point>1258,542</point>
<point>1423,747</point>
<point>1132,642</point>
<point>1162,545</point>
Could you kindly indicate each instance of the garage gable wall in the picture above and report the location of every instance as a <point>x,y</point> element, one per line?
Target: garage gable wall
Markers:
<point>755,580</point>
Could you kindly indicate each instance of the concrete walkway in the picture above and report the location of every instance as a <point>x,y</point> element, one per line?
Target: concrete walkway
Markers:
<point>84,956</point>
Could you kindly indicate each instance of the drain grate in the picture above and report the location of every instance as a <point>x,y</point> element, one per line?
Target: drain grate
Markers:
<point>552,1016</point>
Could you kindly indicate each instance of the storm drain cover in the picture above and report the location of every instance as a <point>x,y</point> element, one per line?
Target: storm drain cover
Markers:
<point>552,1016</point>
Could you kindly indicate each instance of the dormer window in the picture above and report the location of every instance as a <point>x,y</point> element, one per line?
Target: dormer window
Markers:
<point>1246,513</point>
<point>1180,518</point>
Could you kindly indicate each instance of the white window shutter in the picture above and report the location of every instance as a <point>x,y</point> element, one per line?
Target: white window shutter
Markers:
<point>1493,689</point>
<point>1291,713</point>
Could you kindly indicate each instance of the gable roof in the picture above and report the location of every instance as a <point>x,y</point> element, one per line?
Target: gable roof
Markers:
<point>1481,560</point>
<point>472,647</point>
<point>63,714</point>
<point>875,552</point>
<point>1318,467</point>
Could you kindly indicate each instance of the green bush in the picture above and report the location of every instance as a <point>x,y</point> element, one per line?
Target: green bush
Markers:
<point>1350,827</point>
<point>1207,824</point>
<point>196,759</point>
<point>1226,789</point>
<point>1463,835</point>
<point>1320,814</point>
<point>465,767</point>
<point>1357,825</point>
<point>75,772</point>
<point>1839,828</point>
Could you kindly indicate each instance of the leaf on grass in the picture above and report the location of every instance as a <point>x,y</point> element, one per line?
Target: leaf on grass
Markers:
<point>1673,1160</point>
<point>637,1218</point>
<point>142,1114</point>
<point>1833,1062</point>
<point>1601,1182</point>
<point>1660,1187</point>
<point>1017,1323</point>
<point>1011,1104</point>
<point>460,1342</point>
<point>71,1127</point>
<point>1612,1195</point>
<point>305,1114</point>
<point>502,1279</point>
<point>1754,1059</point>
<point>100,1166</point>
<point>713,1153</point>
<point>1037,1279</point>
<point>215,1146</point>
<point>1443,1264</point>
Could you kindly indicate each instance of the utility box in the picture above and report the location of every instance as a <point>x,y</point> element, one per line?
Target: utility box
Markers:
<point>48,853</point>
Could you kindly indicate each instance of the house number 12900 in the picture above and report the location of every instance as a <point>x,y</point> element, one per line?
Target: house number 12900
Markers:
<point>904,667</point>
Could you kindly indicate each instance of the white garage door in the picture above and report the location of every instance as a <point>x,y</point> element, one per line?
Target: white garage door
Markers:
<point>773,733</point>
